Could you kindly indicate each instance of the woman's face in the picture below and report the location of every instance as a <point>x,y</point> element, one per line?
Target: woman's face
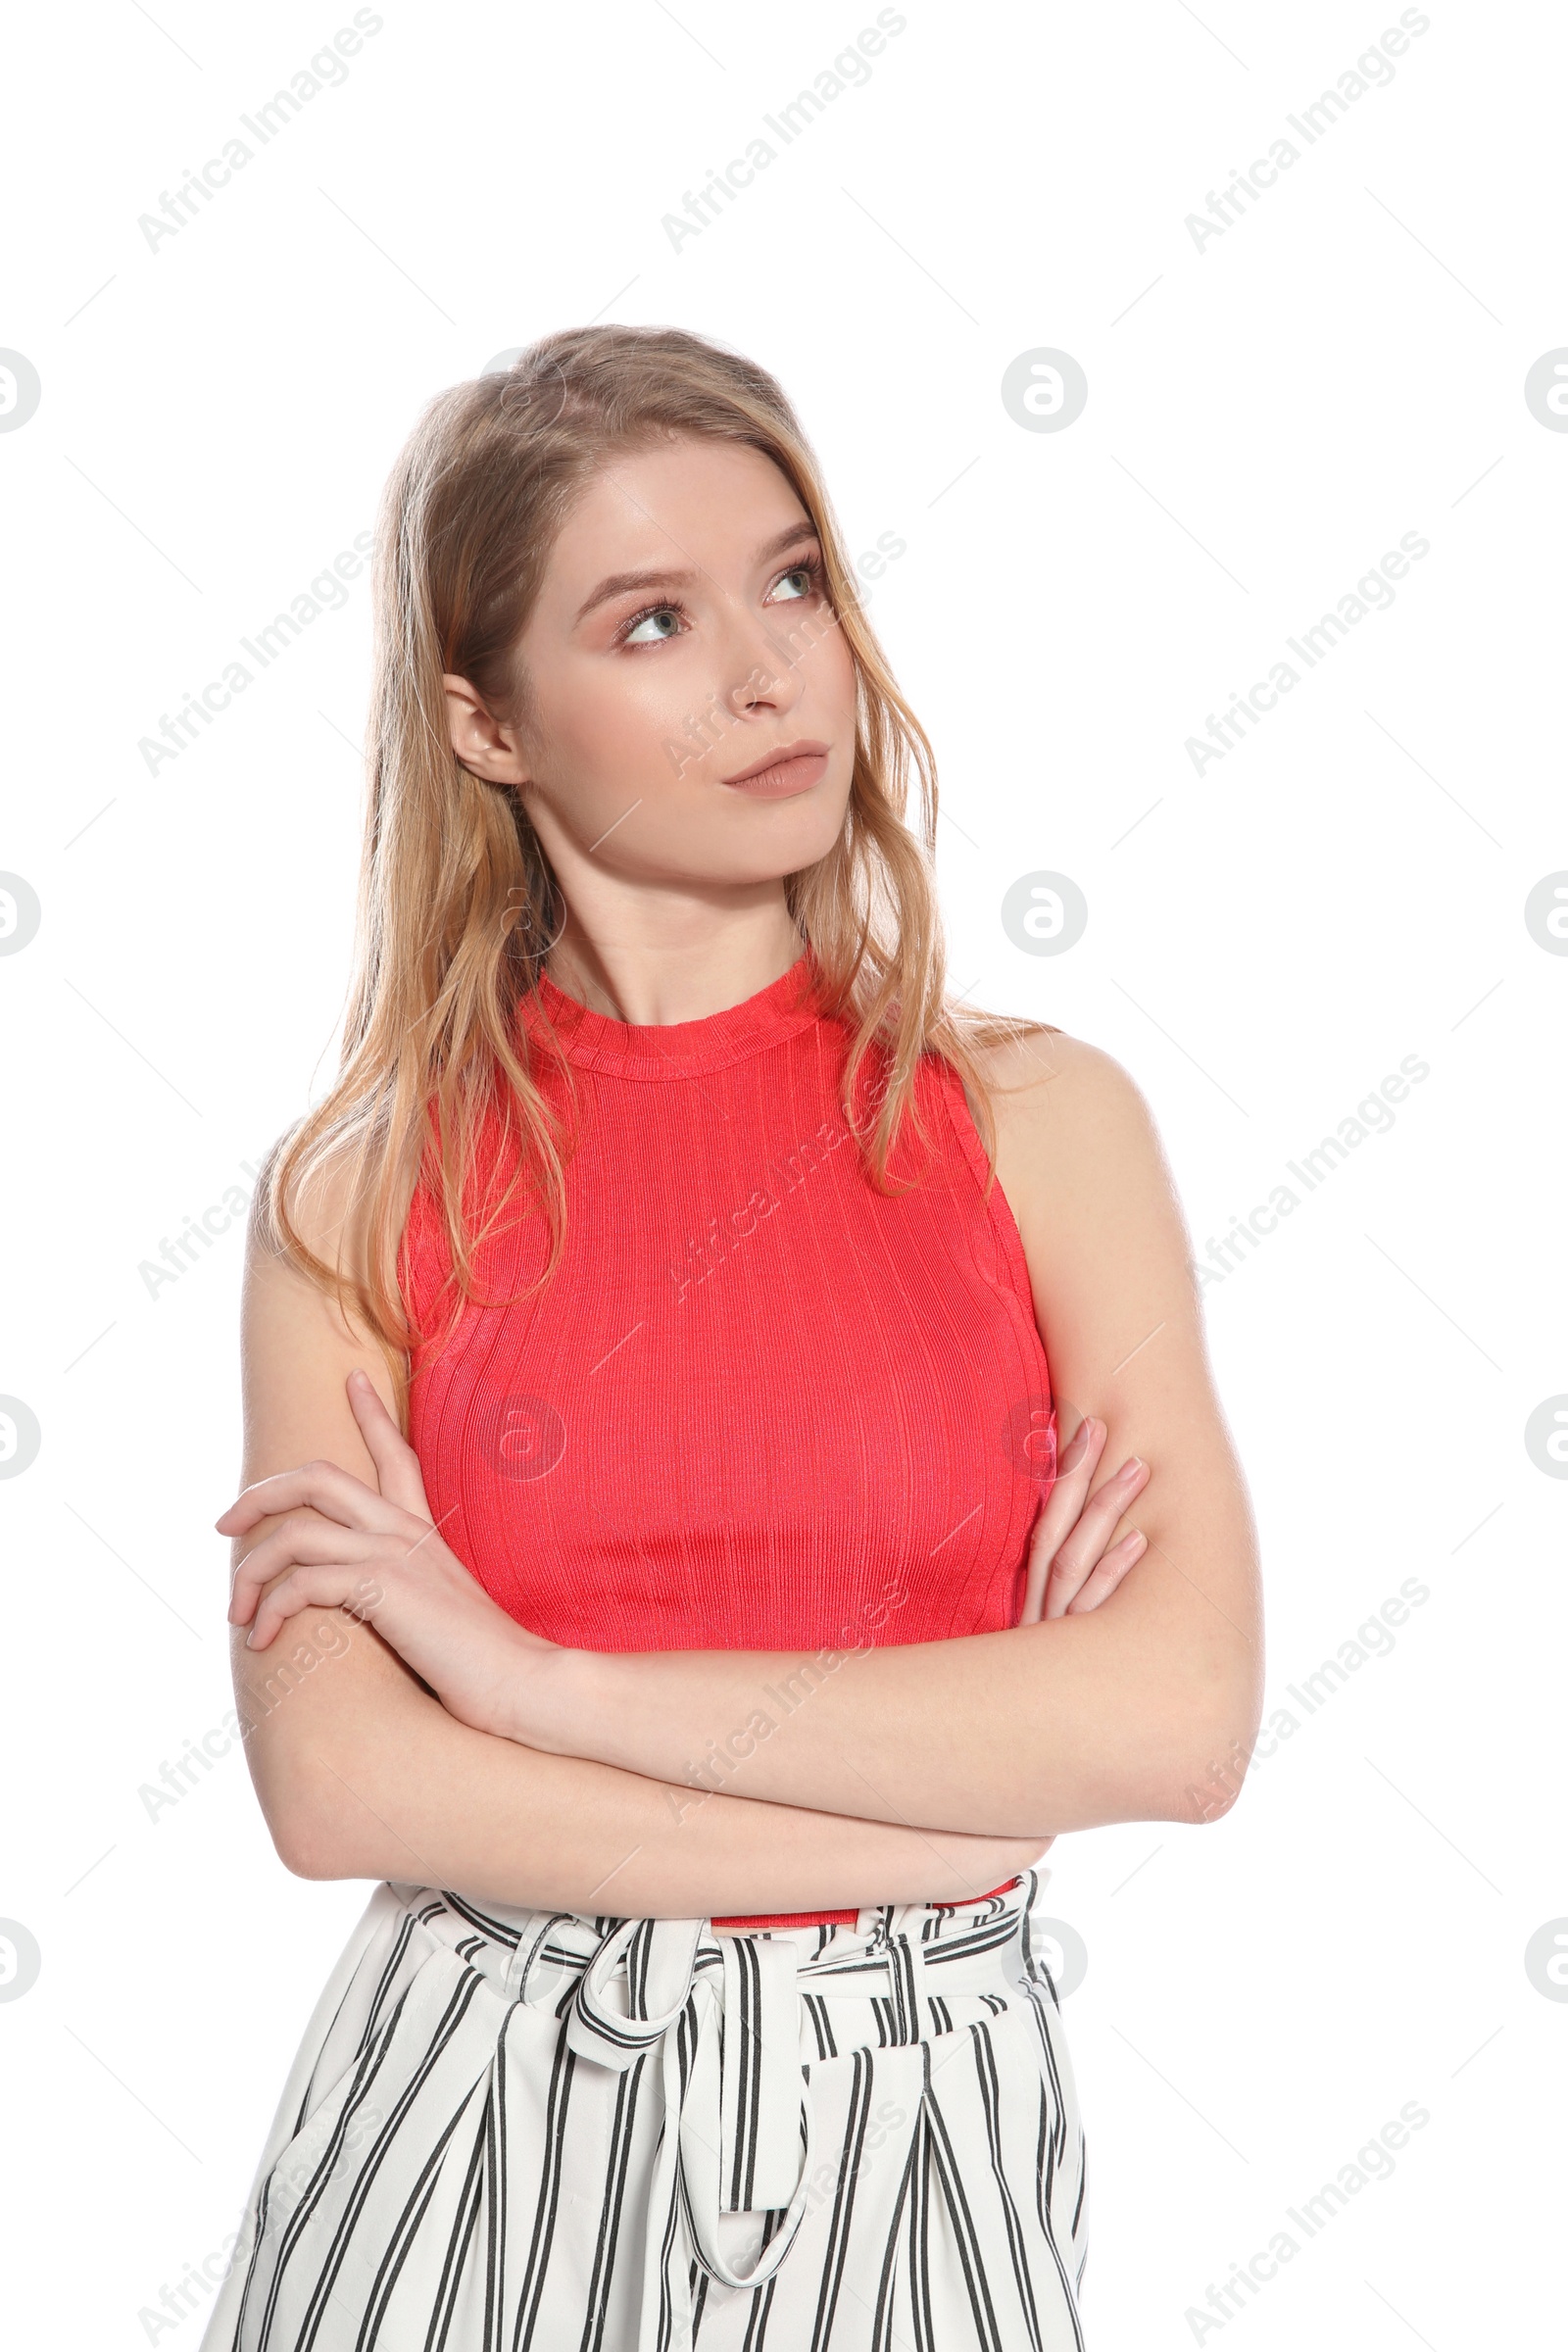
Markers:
<point>682,637</point>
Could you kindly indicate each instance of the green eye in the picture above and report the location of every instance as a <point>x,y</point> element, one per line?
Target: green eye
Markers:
<point>803,573</point>
<point>661,612</point>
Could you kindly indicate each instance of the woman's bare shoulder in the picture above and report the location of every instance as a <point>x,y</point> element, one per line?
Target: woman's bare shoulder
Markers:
<point>326,1210</point>
<point>1055,1094</point>
<point>1080,1160</point>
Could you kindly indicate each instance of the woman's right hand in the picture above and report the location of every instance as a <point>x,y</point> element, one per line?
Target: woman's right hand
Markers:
<point>1071,1570</point>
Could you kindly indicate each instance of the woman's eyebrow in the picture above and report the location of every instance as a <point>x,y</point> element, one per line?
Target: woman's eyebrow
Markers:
<point>621,583</point>
<point>618,582</point>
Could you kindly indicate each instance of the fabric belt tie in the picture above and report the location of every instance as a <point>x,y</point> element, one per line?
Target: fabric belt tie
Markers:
<point>724,2014</point>
<point>738,2138</point>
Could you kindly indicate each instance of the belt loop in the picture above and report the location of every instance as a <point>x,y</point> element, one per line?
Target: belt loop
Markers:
<point>760,2076</point>
<point>906,1974</point>
<point>531,1941</point>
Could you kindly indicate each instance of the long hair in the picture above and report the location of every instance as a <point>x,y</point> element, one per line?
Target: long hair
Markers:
<point>458,901</point>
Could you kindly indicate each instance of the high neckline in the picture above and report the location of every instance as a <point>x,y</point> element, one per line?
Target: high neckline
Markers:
<point>675,1049</point>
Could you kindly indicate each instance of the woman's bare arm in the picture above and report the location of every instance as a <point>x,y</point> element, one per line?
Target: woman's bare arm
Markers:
<point>1114,1715</point>
<point>362,1773</point>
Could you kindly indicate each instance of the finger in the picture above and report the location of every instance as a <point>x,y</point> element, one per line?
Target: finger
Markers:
<point>1075,1468</point>
<point>1076,1465</point>
<point>397,1465</point>
<point>332,1585</point>
<point>1082,1448</point>
<point>1083,1546</point>
<point>297,1544</point>
<point>1102,1579</point>
<point>1072,1534</point>
<point>325,1487</point>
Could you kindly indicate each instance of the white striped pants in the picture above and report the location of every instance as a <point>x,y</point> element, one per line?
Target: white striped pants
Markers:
<point>516,2131</point>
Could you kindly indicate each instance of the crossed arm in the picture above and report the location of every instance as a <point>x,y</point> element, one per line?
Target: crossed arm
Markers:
<point>1120,1713</point>
<point>922,1772</point>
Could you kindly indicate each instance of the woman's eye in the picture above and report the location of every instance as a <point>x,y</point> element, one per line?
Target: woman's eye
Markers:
<point>650,631</point>
<point>803,573</point>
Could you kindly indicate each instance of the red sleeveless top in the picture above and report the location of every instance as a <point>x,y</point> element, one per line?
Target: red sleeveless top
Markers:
<point>759,1405</point>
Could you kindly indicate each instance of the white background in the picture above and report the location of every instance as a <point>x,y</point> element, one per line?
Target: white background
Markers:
<point>1266,416</point>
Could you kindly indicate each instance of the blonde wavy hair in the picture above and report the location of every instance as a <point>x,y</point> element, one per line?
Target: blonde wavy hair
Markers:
<point>458,901</point>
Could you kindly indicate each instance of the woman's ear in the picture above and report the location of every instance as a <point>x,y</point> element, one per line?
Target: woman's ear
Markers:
<point>486,748</point>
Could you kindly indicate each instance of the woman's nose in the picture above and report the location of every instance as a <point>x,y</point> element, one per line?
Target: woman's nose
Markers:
<point>764,665</point>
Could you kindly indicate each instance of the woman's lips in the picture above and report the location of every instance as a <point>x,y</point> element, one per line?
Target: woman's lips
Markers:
<point>793,769</point>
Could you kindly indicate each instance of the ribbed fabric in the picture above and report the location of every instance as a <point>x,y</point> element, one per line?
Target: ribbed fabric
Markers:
<point>759,1405</point>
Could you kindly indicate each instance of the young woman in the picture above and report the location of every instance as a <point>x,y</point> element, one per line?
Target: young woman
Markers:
<point>653,1504</point>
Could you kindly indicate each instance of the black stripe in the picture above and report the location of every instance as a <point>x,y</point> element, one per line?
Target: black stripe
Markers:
<point>455,2010</point>
<point>839,2219</point>
<point>920,2238</point>
<point>309,2196</point>
<point>951,2177</point>
<point>497,1929</point>
<point>985,2062</point>
<point>495,2197</point>
<point>882,2321</point>
<point>1044,2196</point>
<point>393,2258</point>
<point>815,2008</point>
<point>749,2104</point>
<point>611,2210</point>
<point>458,2244</point>
<point>541,2237</point>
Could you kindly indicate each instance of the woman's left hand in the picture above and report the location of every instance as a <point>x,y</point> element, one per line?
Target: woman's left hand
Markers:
<point>1073,1565</point>
<point>381,1560</point>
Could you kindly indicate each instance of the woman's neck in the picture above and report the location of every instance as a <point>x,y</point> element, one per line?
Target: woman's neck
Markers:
<point>685,975</point>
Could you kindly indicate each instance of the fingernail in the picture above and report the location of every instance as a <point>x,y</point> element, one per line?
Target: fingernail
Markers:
<point>1131,1468</point>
